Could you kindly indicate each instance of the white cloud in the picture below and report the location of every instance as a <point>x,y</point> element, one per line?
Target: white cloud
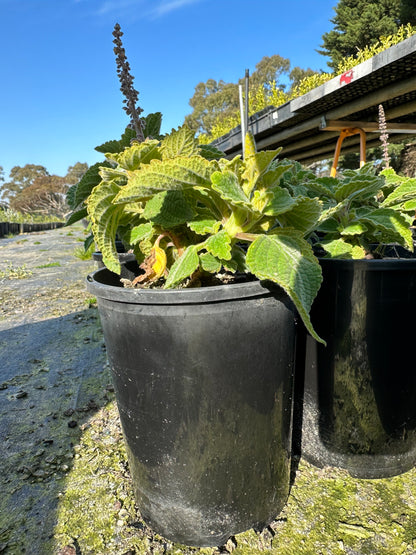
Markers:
<point>165,7</point>
<point>159,8</point>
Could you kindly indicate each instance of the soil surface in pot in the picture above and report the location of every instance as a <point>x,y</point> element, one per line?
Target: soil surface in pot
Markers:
<point>64,478</point>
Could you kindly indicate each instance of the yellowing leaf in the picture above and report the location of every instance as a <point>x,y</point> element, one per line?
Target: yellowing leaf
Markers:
<point>159,265</point>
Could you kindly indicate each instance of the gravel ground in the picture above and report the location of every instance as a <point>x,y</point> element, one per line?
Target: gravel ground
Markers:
<point>64,476</point>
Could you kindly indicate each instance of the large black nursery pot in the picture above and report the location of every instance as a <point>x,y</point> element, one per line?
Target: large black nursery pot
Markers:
<point>204,381</point>
<point>359,400</point>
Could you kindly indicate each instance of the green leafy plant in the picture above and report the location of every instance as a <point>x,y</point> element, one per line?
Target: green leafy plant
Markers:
<point>359,209</point>
<point>188,214</point>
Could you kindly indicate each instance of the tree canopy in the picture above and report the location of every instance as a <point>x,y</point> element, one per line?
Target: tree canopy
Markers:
<point>360,23</point>
<point>32,190</point>
<point>214,101</point>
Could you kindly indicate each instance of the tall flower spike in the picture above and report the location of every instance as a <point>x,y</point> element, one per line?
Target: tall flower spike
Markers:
<point>384,137</point>
<point>126,80</point>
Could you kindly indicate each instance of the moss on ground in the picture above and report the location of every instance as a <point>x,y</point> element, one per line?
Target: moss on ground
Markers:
<point>328,511</point>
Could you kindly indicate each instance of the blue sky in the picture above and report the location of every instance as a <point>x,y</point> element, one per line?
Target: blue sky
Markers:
<point>59,93</point>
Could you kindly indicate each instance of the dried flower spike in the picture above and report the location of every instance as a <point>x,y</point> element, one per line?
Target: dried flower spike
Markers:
<point>126,80</point>
<point>384,138</point>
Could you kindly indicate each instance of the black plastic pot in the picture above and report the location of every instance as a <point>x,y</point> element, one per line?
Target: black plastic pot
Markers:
<point>123,256</point>
<point>359,401</point>
<point>203,380</point>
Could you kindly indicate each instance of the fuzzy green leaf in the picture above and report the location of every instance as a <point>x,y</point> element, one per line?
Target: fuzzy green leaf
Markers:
<point>330,225</point>
<point>303,216</point>
<point>280,202</point>
<point>409,205</point>
<point>183,267</point>
<point>138,233</point>
<point>287,259</point>
<point>404,192</point>
<point>322,187</point>
<point>204,223</point>
<point>392,224</point>
<point>89,180</point>
<point>88,242</point>
<point>70,196</point>
<point>249,145</point>
<point>105,217</point>
<point>177,174</point>
<point>153,123</point>
<point>168,209</point>
<point>210,152</point>
<point>76,216</point>
<point>255,166</point>
<point>227,185</point>
<point>354,228</point>
<point>135,155</point>
<point>210,263</point>
<point>181,142</point>
<point>117,146</point>
<point>219,245</point>
<point>272,176</point>
<point>338,248</point>
<point>363,186</point>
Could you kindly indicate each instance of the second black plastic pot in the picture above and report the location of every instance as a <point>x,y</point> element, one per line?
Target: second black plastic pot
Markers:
<point>203,380</point>
<point>359,401</point>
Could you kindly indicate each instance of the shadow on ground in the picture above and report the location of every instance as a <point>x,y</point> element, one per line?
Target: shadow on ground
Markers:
<point>54,376</point>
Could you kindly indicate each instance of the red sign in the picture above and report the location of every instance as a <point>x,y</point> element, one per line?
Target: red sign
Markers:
<point>346,77</point>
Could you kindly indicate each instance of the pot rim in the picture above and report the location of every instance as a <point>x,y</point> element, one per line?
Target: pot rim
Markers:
<point>96,284</point>
<point>371,264</point>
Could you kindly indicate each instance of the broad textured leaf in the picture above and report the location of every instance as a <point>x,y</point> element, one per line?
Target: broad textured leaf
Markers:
<point>249,145</point>
<point>219,245</point>
<point>183,267</point>
<point>181,142</point>
<point>404,192</point>
<point>237,262</point>
<point>280,202</point>
<point>153,123</point>
<point>70,196</point>
<point>332,212</point>
<point>303,216</point>
<point>178,174</point>
<point>322,187</point>
<point>109,173</point>
<point>204,223</point>
<point>338,248</point>
<point>138,233</point>
<point>210,263</point>
<point>409,205</point>
<point>117,146</point>
<point>76,216</point>
<point>109,147</point>
<point>88,242</point>
<point>168,209</point>
<point>363,186</point>
<point>89,180</point>
<point>227,185</point>
<point>210,152</point>
<point>354,228</point>
<point>105,218</point>
<point>287,259</point>
<point>236,165</point>
<point>328,226</point>
<point>256,166</point>
<point>392,224</point>
<point>137,154</point>
<point>272,176</point>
